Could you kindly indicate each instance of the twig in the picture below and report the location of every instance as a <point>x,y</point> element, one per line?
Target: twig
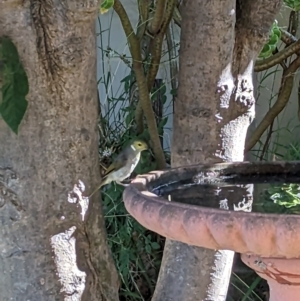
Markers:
<point>277,58</point>
<point>173,63</point>
<point>135,50</point>
<point>287,38</point>
<point>282,100</point>
<point>267,141</point>
<point>156,49</point>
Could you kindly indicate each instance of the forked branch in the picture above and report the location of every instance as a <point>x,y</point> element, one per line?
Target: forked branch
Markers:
<point>144,98</point>
<point>283,98</point>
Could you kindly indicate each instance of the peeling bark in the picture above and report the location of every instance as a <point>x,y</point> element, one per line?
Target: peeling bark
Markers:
<point>53,245</point>
<point>220,41</point>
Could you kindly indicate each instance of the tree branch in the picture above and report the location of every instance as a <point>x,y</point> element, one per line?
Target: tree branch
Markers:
<point>158,17</point>
<point>287,38</point>
<point>173,63</point>
<point>253,21</point>
<point>282,100</point>
<point>277,58</point>
<point>144,13</point>
<point>156,47</point>
<point>135,50</point>
<point>143,21</point>
<point>177,16</point>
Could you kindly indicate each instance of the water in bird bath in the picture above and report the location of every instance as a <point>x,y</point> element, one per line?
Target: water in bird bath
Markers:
<point>267,194</point>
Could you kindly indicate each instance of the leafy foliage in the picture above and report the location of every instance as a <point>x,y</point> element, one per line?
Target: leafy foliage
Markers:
<point>14,85</point>
<point>274,38</point>
<point>282,198</point>
<point>293,4</point>
<point>136,251</point>
<point>106,5</point>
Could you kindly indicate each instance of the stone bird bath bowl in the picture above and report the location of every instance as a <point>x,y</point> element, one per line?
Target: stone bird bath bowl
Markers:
<point>269,243</point>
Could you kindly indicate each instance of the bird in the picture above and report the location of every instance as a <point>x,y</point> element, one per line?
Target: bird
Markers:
<point>124,164</point>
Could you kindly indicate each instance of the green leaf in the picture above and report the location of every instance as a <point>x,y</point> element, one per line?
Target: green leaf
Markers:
<point>106,5</point>
<point>273,40</point>
<point>163,89</point>
<point>128,119</point>
<point>174,92</point>
<point>13,108</point>
<point>266,51</point>
<point>155,245</point>
<point>148,249</point>
<point>15,85</point>
<point>276,31</point>
<point>293,4</point>
<point>164,99</point>
<point>163,122</point>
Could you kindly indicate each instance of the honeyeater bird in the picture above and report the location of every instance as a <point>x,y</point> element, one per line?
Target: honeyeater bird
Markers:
<point>124,164</point>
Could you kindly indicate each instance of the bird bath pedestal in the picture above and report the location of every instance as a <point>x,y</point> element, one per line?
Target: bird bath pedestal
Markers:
<point>269,243</point>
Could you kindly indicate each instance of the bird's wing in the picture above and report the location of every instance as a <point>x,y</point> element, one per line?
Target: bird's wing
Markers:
<point>119,162</point>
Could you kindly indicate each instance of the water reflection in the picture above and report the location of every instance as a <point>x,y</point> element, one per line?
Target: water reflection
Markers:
<point>258,194</point>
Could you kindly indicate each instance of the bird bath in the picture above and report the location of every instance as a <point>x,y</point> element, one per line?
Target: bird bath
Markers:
<point>204,205</point>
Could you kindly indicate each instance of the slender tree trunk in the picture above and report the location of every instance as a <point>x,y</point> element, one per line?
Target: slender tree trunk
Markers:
<point>220,41</point>
<point>53,246</point>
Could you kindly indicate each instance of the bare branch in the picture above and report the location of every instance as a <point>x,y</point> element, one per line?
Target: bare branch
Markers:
<point>156,47</point>
<point>135,51</point>
<point>282,100</point>
<point>158,16</point>
<point>277,58</point>
<point>143,14</point>
<point>287,38</point>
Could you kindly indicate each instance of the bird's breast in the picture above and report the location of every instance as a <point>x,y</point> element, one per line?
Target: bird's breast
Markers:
<point>125,172</point>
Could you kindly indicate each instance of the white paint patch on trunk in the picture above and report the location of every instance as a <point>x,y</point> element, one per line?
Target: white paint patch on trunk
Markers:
<point>71,278</point>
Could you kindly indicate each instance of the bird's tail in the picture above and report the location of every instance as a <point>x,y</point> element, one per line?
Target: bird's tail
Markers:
<point>104,182</point>
<point>95,190</point>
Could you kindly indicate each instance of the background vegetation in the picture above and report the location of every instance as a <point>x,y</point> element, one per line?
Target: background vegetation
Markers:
<point>139,108</point>
<point>137,251</point>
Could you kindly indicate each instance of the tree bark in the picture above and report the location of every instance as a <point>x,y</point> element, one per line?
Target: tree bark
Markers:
<point>220,41</point>
<point>53,245</point>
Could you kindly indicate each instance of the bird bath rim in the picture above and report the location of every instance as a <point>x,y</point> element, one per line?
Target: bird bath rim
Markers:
<point>266,235</point>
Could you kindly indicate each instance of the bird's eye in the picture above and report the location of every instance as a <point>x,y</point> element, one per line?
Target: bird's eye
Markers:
<point>140,144</point>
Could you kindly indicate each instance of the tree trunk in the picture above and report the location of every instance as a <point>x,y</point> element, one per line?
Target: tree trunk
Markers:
<point>220,41</point>
<point>53,246</point>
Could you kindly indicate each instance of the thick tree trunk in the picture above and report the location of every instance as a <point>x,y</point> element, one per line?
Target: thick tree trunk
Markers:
<point>220,41</point>
<point>53,246</point>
